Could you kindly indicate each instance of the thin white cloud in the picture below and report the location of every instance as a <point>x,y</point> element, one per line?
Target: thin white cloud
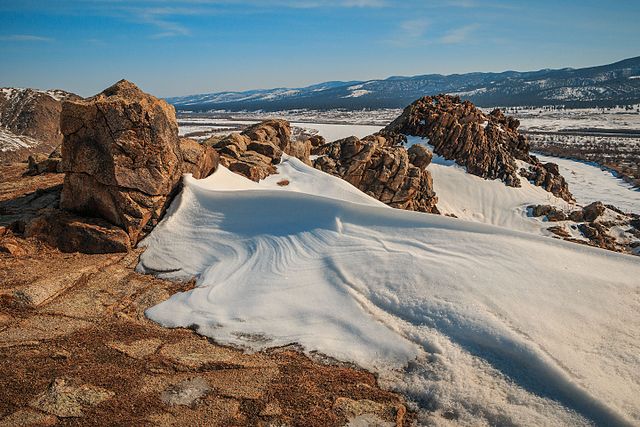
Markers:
<point>25,38</point>
<point>459,35</point>
<point>414,28</point>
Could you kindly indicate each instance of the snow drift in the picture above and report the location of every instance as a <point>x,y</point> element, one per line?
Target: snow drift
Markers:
<point>471,321</point>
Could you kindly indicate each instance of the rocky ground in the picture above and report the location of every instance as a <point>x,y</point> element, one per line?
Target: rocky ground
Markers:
<point>76,349</point>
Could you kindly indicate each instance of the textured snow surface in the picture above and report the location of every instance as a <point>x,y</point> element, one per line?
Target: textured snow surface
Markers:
<point>477,199</point>
<point>497,327</point>
<point>589,183</point>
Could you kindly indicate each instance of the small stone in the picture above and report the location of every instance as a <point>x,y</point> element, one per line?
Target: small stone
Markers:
<point>271,409</point>
<point>72,233</point>
<point>353,409</point>
<point>66,400</point>
<point>137,349</point>
<point>186,393</point>
<point>12,247</point>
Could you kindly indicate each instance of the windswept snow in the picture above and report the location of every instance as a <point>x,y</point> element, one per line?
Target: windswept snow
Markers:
<point>497,327</point>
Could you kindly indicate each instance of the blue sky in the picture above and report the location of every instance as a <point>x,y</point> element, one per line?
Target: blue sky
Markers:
<point>195,46</point>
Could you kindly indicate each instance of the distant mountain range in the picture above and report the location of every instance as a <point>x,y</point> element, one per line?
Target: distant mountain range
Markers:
<point>606,85</point>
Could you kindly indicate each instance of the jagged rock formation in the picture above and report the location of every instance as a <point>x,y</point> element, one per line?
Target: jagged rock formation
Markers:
<point>33,114</point>
<point>121,155</point>
<point>255,151</point>
<point>388,172</point>
<point>487,145</point>
<point>547,176</point>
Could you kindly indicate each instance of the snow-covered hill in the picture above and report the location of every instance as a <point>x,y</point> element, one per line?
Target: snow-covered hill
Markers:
<point>474,323</point>
<point>12,142</point>
<point>604,85</point>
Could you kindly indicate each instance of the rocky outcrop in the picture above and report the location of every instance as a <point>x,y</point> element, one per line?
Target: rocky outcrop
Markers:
<point>388,172</point>
<point>597,225</point>
<point>38,164</point>
<point>547,176</point>
<point>487,145</point>
<point>121,155</point>
<point>255,151</point>
<point>34,114</point>
<point>552,213</point>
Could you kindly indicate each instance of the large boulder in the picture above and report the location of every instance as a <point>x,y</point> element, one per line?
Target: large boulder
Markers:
<point>199,160</point>
<point>121,155</point>
<point>487,145</point>
<point>382,169</point>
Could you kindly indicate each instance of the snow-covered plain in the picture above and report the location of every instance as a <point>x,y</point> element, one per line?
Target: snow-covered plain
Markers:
<point>494,326</point>
<point>540,119</point>
<point>330,131</point>
<point>589,183</point>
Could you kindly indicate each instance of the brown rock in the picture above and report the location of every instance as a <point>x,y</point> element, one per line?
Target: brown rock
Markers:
<point>40,163</point>
<point>588,231</point>
<point>28,417</point>
<point>12,246</point>
<point>593,211</point>
<point>71,233</point>
<point>419,156</point>
<point>457,131</point>
<point>559,231</point>
<point>199,160</point>
<point>187,392</point>
<point>300,150</point>
<point>137,349</point>
<point>548,177</point>
<point>121,155</point>
<point>352,409</point>
<point>551,212</point>
<point>576,216</point>
<point>487,145</point>
<point>381,170</point>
